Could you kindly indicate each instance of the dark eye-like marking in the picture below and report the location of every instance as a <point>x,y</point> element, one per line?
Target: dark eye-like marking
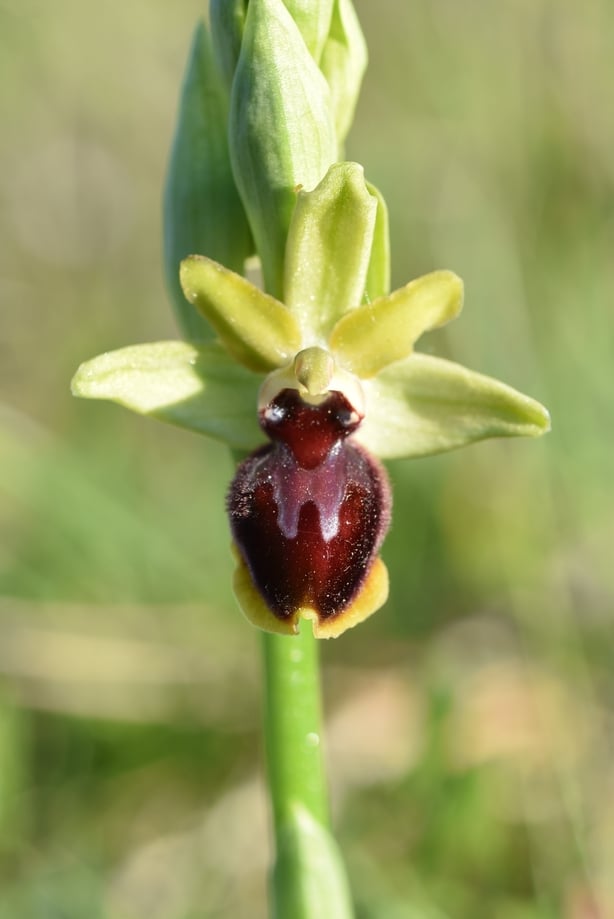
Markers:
<point>309,511</point>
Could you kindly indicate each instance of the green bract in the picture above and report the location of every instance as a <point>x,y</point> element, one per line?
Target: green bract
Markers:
<point>202,208</point>
<point>414,404</point>
<point>227,18</point>
<point>309,870</point>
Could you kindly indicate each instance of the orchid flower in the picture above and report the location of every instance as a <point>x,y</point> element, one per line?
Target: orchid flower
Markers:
<point>319,386</point>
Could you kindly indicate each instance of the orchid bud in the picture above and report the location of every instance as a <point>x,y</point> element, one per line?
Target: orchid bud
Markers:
<point>281,128</point>
<point>313,18</point>
<point>343,63</point>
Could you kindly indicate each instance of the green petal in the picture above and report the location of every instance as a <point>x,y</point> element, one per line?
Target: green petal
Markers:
<point>380,333</point>
<point>378,273</point>
<point>428,405</point>
<point>256,329</point>
<point>343,63</point>
<point>195,387</point>
<point>328,250</point>
<point>281,129</point>
<point>202,208</point>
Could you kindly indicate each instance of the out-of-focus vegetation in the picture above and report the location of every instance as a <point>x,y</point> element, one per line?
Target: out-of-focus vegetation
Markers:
<point>470,722</point>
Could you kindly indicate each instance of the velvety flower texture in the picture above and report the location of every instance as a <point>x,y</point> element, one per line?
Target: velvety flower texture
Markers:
<point>308,514</point>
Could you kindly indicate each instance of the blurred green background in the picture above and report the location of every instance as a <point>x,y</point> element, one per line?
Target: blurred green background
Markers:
<point>470,722</point>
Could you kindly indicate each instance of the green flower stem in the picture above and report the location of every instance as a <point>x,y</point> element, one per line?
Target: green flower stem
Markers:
<point>309,878</point>
<point>293,725</point>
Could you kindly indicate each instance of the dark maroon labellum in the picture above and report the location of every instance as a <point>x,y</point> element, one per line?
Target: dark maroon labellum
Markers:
<point>309,511</point>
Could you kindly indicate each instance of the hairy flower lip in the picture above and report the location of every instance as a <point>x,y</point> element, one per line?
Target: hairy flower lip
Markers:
<point>308,513</point>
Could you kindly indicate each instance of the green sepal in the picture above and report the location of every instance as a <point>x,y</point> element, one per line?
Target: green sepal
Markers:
<point>309,877</point>
<point>380,333</point>
<point>328,250</point>
<point>313,18</point>
<point>282,134</point>
<point>198,387</point>
<point>227,20</point>
<point>202,208</point>
<point>426,405</point>
<point>378,273</point>
<point>255,328</point>
<point>343,63</point>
